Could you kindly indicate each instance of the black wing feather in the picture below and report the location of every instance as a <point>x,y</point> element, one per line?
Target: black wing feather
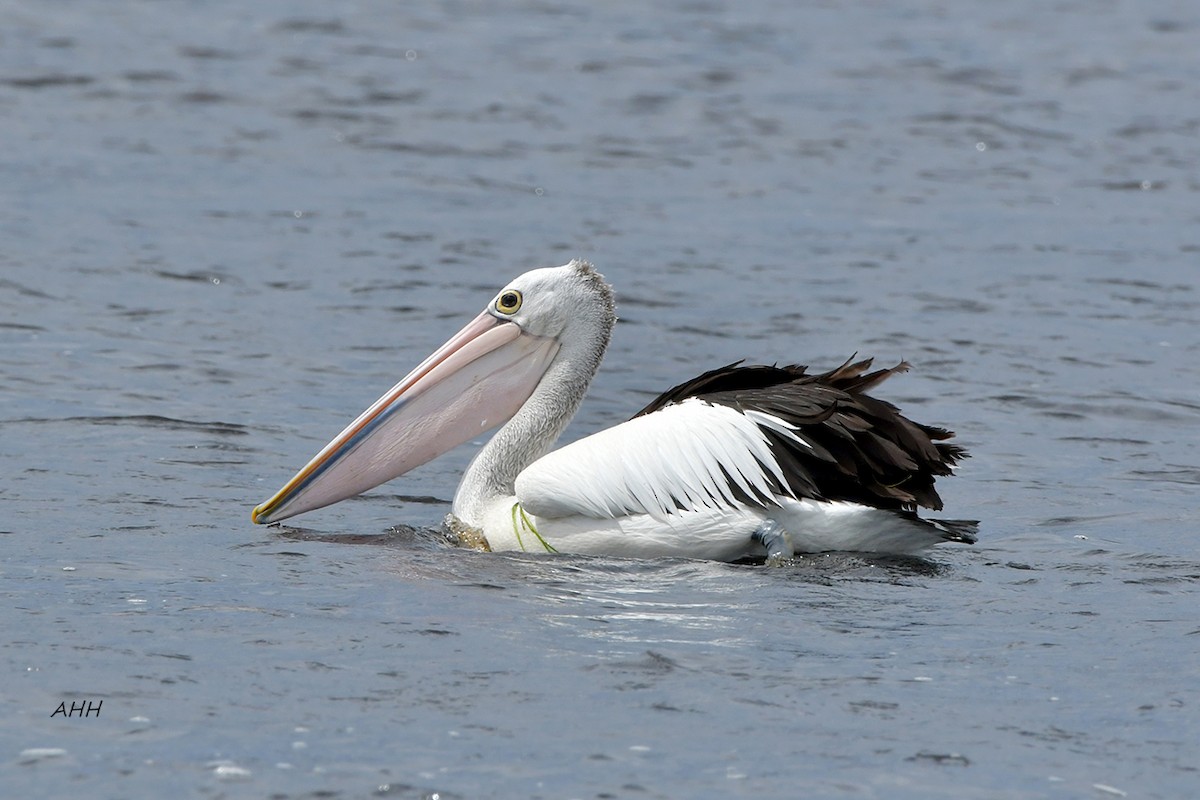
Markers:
<point>863,450</point>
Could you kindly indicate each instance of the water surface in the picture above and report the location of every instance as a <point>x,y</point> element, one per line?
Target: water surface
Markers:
<point>227,228</point>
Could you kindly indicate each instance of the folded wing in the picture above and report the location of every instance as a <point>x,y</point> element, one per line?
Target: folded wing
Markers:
<point>745,436</point>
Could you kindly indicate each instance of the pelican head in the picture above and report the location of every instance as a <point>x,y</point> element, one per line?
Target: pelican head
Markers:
<point>547,320</point>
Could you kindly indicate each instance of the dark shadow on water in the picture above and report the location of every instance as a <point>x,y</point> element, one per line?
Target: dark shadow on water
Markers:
<point>834,567</point>
<point>404,536</point>
<point>893,564</point>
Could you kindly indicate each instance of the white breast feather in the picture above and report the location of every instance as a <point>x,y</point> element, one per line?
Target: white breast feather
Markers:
<point>688,452</point>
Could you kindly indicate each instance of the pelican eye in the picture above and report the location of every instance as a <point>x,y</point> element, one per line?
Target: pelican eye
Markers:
<point>509,302</point>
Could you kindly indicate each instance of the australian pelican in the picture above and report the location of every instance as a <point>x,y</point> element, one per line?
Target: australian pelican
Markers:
<point>741,462</point>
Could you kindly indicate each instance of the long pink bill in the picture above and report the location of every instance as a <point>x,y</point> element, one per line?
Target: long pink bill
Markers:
<point>473,382</point>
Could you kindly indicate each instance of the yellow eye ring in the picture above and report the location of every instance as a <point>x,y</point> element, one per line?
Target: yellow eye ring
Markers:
<point>509,301</point>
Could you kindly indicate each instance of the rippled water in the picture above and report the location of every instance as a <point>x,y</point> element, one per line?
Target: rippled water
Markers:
<point>225,228</point>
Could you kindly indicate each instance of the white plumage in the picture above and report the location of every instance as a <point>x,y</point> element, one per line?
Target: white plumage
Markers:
<point>687,456</point>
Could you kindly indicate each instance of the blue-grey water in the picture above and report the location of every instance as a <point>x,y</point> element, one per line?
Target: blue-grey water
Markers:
<point>227,227</point>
